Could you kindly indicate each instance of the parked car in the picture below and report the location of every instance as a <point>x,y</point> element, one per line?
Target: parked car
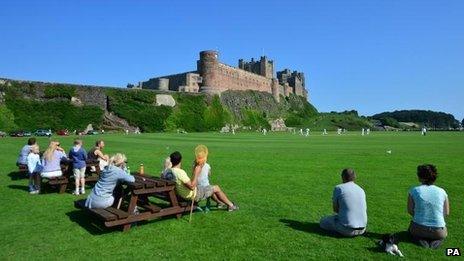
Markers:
<point>92,132</point>
<point>2,134</point>
<point>63,132</point>
<point>20,133</point>
<point>47,133</point>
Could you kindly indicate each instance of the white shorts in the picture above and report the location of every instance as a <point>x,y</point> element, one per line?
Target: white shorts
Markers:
<point>51,174</point>
<point>79,173</point>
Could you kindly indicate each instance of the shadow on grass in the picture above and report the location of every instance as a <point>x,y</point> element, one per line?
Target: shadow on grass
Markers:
<point>402,236</point>
<point>20,187</point>
<point>85,221</point>
<point>17,175</point>
<point>310,227</point>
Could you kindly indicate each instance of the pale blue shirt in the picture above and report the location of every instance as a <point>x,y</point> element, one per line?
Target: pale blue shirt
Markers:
<point>428,205</point>
<point>203,178</point>
<point>109,178</point>
<point>352,207</point>
<point>22,158</point>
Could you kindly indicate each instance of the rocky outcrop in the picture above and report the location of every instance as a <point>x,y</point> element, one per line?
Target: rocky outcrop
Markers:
<point>113,122</point>
<point>237,101</point>
<point>278,125</point>
<point>165,99</point>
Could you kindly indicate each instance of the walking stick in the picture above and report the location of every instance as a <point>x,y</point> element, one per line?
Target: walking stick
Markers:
<point>191,210</point>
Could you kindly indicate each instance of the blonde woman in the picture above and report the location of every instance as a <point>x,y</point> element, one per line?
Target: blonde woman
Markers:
<point>102,194</point>
<point>202,170</point>
<point>51,160</point>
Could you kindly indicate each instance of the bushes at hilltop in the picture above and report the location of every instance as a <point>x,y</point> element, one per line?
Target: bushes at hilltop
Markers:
<point>31,114</point>
<point>137,107</point>
<point>189,113</point>
<point>6,119</point>
<point>59,91</point>
<point>216,116</point>
<point>255,119</point>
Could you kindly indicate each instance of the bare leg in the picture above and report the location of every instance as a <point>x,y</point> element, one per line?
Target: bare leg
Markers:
<point>221,196</point>
<point>83,183</point>
<point>76,182</point>
<point>215,198</point>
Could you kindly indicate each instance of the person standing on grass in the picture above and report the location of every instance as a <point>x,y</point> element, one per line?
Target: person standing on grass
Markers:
<point>102,194</point>
<point>51,161</point>
<point>428,205</point>
<point>349,204</point>
<point>187,188</point>
<point>96,154</point>
<point>25,152</point>
<point>78,155</point>
<point>34,167</point>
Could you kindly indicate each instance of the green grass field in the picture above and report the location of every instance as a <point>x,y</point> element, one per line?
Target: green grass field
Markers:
<point>282,182</point>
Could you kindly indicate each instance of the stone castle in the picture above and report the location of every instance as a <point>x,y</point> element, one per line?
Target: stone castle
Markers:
<point>214,77</point>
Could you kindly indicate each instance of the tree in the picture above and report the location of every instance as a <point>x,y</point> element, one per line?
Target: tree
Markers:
<point>6,119</point>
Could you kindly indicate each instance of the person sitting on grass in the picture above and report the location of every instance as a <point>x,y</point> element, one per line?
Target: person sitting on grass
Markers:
<point>78,156</point>
<point>349,204</point>
<point>187,188</point>
<point>25,152</point>
<point>428,205</point>
<point>96,154</point>
<point>51,161</point>
<point>102,195</point>
<point>201,156</point>
<point>34,167</point>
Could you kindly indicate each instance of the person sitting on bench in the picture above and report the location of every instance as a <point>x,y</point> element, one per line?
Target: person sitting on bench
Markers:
<point>22,158</point>
<point>102,194</point>
<point>187,188</point>
<point>51,161</point>
<point>96,153</point>
<point>349,204</point>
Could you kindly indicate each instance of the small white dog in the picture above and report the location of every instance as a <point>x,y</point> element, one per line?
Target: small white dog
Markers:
<point>390,244</point>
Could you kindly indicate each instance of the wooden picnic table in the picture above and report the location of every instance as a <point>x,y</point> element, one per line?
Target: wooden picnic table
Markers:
<point>138,196</point>
<point>66,167</point>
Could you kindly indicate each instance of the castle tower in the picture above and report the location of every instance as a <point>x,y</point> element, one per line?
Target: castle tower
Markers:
<point>275,87</point>
<point>206,67</point>
<point>266,67</point>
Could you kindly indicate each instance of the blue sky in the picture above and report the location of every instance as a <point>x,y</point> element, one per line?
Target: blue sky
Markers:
<point>371,56</point>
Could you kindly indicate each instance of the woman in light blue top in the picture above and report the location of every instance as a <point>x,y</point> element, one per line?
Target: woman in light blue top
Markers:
<point>428,205</point>
<point>102,194</point>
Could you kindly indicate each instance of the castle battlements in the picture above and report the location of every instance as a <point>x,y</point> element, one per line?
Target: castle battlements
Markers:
<point>214,77</point>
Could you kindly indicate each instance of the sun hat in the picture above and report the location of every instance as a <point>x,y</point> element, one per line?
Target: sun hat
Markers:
<point>201,153</point>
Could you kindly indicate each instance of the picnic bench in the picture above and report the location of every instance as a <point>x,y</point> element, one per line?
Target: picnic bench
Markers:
<point>137,196</point>
<point>66,167</point>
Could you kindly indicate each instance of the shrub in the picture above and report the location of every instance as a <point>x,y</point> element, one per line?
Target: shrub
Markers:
<point>59,91</point>
<point>216,116</point>
<point>136,106</point>
<point>190,111</point>
<point>6,119</point>
<point>254,119</point>
<point>30,114</point>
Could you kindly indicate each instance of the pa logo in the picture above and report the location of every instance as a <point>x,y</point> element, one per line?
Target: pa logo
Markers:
<point>453,251</point>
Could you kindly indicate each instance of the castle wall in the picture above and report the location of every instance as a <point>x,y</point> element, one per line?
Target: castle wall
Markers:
<point>175,80</point>
<point>228,77</point>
